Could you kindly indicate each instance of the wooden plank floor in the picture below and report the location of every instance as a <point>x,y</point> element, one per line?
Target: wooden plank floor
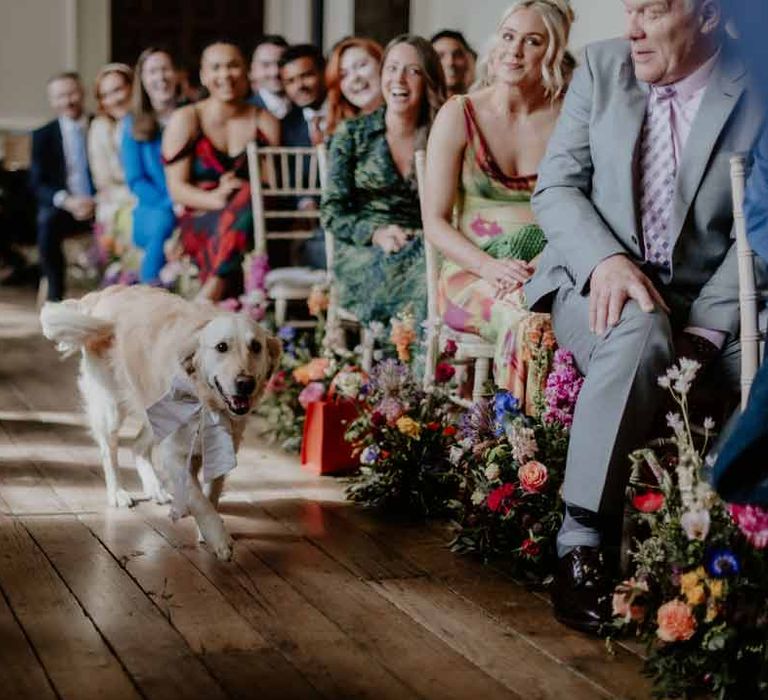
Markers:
<point>322,600</point>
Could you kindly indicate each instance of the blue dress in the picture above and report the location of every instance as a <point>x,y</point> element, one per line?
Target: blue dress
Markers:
<point>153,217</point>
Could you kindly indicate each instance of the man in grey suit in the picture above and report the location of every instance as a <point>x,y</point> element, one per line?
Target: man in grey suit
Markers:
<point>640,267</point>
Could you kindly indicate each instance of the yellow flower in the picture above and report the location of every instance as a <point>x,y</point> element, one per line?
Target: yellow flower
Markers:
<point>716,588</point>
<point>408,426</point>
<point>713,610</point>
<point>691,579</point>
<point>695,595</point>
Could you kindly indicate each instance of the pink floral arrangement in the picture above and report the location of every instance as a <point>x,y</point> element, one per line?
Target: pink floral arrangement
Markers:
<point>753,523</point>
<point>562,389</point>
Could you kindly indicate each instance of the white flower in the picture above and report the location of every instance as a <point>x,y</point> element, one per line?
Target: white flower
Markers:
<point>675,421</point>
<point>376,329</point>
<point>466,444</point>
<point>665,382</point>
<point>685,485</point>
<point>523,442</point>
<point>709,423</point>
<point>696,524</point>
<point>349,383</point>
<point>477,497</point>
<point>455,455</point>
<point>492,472</point>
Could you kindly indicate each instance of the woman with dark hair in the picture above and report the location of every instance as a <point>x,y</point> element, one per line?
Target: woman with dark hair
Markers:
<point>481,171</point>
<point>154,99</point>
<point>114,201</point>
<point>207,169</point>
<point>371,202</point>
<point>353,80</point>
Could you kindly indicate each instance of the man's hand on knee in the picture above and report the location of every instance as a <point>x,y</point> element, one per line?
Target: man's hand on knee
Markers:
<point>615,281</point>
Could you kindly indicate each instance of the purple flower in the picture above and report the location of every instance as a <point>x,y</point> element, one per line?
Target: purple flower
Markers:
<point>477,423</point>
<point>256,272</point>
<point>562,389</point>
<point>390,377</point>
<point>286,333</point>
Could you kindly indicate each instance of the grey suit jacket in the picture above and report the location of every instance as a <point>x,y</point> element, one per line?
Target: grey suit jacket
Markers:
<point>586,197</point>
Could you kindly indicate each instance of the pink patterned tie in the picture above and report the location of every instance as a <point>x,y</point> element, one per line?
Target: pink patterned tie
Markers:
<point>658,170</point>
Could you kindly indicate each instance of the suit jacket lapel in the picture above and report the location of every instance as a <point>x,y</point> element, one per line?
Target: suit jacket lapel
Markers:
<point>720,98</point>
<point>61,159</point>
<point>629,125</point>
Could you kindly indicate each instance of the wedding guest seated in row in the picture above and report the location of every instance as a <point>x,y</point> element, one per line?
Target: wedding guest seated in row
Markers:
<point>114,200</point>
<point>640,266</point>
<point>207,169</point>
<point>60,177</point>
<point>458,60</point>
<point>267,91</point>
<point>484,152</point>
<point>353,80</point>
<point>371,202</point>
<point>154,100</point>
<point>301,71</point>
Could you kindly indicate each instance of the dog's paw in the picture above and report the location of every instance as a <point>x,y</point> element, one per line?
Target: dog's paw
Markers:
<point>224,549</point>
<point>160,496</point>
<point>121,499</point>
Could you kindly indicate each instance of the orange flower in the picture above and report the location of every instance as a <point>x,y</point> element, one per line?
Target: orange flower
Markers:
<point>676,622</point>
<point>313,371</point>
<point>318,300</point>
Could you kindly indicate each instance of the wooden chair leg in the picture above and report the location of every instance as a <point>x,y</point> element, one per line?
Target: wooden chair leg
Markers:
<point>281,311</point>
<point>367,342</point>
<point>482,371</point>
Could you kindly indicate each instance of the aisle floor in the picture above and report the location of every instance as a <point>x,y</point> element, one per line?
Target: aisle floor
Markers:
<point>322,599</point>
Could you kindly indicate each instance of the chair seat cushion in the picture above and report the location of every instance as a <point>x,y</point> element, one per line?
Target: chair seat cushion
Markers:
<point>295,277</point>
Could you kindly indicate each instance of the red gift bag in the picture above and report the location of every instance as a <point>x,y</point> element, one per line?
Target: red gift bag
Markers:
<point>323,447</point>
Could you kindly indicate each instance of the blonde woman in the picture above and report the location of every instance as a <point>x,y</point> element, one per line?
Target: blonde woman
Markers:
<point>113,198</point>
<point>482,158</point>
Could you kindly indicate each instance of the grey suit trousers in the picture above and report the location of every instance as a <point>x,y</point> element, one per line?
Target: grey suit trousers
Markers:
<point>620,396</point>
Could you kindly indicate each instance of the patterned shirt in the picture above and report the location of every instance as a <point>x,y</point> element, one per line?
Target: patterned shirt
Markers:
<point>365,191</point>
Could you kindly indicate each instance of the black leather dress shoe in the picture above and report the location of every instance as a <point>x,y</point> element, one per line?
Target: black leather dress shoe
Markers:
<point>581,591</point>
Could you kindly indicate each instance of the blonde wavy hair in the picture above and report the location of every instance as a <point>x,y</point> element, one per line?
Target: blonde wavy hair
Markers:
<point>558,64</point>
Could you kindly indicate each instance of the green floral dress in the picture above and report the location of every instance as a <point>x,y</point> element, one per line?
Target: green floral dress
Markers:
<point>364,192</point>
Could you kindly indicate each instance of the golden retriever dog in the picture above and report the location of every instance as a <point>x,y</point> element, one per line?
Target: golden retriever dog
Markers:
<point>189,372</point>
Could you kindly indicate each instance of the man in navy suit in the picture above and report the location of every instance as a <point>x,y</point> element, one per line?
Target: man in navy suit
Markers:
<point>268,92</point>
<point>60,177</point>
<point>301,70</point>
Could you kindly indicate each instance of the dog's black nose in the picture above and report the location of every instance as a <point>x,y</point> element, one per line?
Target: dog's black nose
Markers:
<point>245,385</point>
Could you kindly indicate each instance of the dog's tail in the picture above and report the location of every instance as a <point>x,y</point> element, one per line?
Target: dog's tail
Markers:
<point>71,329</point>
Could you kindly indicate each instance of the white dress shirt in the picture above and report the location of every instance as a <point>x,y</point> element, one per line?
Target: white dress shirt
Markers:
<point>278,105</point>
<point>75,158</point>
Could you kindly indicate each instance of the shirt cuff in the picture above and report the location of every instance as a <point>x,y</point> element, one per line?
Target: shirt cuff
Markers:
<point>59,199</point>
<point>717,338</point>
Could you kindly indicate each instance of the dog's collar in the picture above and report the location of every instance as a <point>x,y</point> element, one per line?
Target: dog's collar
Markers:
<point>181,411</point>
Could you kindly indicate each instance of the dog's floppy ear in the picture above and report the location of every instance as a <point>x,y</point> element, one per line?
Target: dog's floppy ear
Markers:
<point>275,350</point>
<point>188,349</point>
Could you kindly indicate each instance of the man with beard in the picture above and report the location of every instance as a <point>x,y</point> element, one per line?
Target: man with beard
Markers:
<point>301,70</point>
<point>457,58</point>
<point>60,177</point>
<point>268,91</point>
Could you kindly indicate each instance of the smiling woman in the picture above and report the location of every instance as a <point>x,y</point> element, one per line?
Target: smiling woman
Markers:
<point>206,166</point>
<point>370,204</point>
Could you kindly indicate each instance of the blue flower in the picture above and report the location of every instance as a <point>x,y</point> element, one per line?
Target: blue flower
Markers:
<point>286,333</point>
<point>722,563</point>
<point>505,407</point>
<point>370,455</point>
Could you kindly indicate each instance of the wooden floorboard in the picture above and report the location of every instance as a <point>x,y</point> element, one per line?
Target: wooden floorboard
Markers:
<point>322,600</point>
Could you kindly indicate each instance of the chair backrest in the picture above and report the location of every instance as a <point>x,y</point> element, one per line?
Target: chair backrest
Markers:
<point>748,298</point>
<point>330,242</point>
<point>280,175</point>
